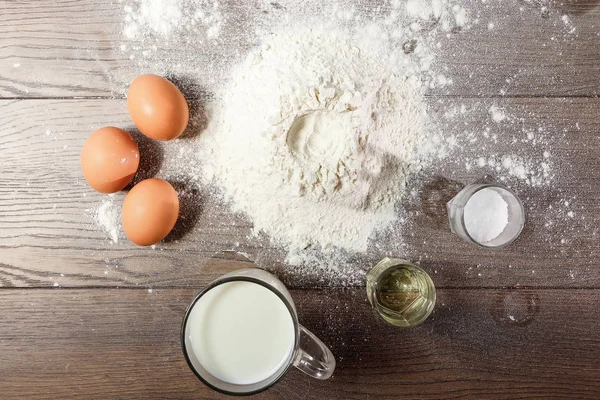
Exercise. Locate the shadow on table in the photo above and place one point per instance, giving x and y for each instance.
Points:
(196, 97)
(436, 193)
(151, 157)
(191, 204)
(434, 196)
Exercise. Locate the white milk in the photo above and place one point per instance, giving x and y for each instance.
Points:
(241, 332)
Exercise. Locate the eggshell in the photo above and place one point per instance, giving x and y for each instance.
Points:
(157, 107)
(109, 159)
(150, 211)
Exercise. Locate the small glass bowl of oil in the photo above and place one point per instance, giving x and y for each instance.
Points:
(401, 293)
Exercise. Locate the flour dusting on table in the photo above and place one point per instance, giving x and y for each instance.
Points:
(108, 216)
(171, 19)
(318, 125)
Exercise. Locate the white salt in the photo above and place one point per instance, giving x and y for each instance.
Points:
(486, 215)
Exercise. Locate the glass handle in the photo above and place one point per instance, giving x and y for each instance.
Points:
(314, 358)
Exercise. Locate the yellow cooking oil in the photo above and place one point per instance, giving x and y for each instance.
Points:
(402, 293)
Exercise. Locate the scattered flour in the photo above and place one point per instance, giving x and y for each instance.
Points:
(171, 18)
(108, 215)
(497, 114)
(208, 33)
(526, 170)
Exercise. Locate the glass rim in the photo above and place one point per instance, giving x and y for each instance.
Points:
(521, 209)
(211, 286)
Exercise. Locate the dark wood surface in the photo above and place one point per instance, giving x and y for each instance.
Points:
(82, 317)
(479, 343)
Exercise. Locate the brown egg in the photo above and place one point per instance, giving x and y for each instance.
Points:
(157, 107)
(150, 211)
(109, 159)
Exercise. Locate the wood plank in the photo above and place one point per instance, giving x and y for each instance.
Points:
(123, 343)
(527, 52)
(65, 48)
(48, 236)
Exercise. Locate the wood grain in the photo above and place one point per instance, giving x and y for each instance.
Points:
(519, 323)
(48, 235)
(480, 344)
(73, 48)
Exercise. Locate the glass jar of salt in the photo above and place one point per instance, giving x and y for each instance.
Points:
(490, 216)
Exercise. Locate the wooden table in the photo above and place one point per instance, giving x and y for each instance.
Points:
(82, 317)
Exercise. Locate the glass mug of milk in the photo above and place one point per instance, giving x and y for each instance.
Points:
(241, 334)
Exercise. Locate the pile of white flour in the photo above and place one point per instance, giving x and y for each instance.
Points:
(314, 139)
